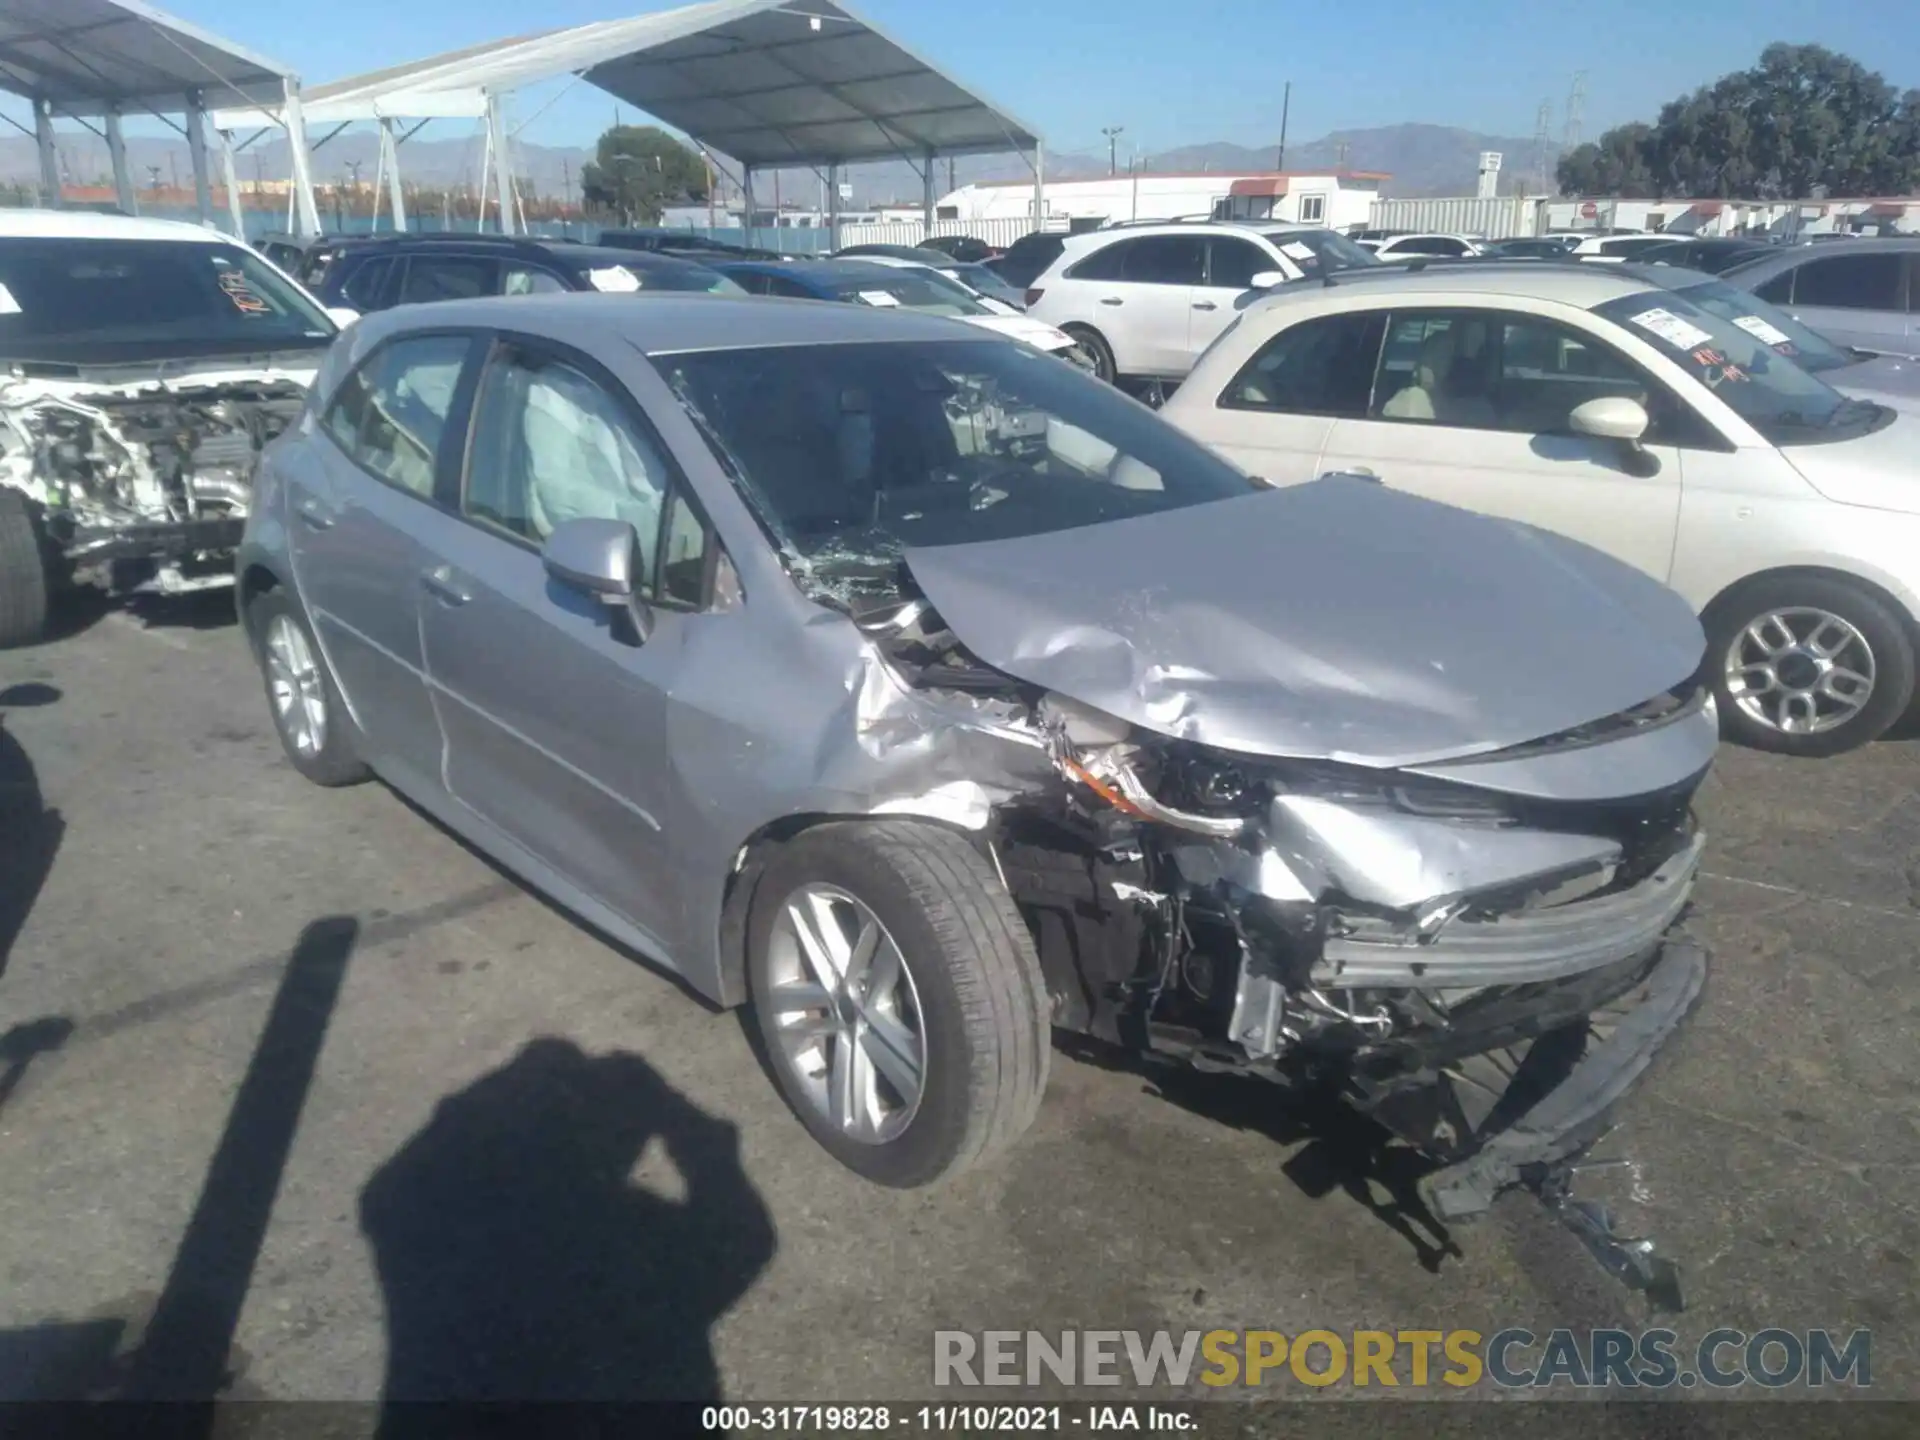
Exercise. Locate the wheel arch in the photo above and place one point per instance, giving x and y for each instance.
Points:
(756, 851)
(1834, 574)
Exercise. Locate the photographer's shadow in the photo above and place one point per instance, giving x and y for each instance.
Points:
(520, 1259)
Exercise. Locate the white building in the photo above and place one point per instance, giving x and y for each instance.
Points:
(1868, 216)
(1340, 199)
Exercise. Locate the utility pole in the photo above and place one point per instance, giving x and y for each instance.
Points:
(1570, 138)
(1286, 104)
(1113, 133)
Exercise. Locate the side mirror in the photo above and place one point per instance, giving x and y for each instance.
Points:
(342, 315)
(1610, 417)
(1267, 279)
(598, 556)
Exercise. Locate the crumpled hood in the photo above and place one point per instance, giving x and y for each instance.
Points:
(1880, 470)
(1334, 620)
(1036, 333)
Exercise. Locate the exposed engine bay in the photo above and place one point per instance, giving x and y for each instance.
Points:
(145, 485)
(1481, 970)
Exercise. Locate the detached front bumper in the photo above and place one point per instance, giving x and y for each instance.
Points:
(1625, 1035)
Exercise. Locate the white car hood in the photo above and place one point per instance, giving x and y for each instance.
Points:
(1888, 379)
(1036, 333)
(1880, 471)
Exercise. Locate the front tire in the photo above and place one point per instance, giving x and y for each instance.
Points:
(899, 998)
(1807, 665)
(26, 574)
(308, 714)
(1099, 354)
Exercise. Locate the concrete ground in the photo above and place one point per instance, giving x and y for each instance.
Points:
(234, 1002)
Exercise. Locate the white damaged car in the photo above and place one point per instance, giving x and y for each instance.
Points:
(143, 365)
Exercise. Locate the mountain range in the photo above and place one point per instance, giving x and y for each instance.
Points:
(1420, 160)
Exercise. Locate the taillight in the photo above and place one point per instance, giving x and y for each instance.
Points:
(1033, 297)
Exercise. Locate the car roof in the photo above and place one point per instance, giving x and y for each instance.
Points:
(671, 322)
(1788, 257)
(91, 225)
(1574, 282)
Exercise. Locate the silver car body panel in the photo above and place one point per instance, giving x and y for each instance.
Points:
(1335, 620)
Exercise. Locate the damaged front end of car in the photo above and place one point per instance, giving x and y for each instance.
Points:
(144, 484)
(1478, 945)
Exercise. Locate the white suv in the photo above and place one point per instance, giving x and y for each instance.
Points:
(1653, 412)
(1145, 300)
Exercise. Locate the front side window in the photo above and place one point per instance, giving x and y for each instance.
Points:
(528, 280)
(1498, 370)
(390, 414)
(366, 284)
(1232, 264)
(1764, 387)
(1851, 282)
(851, 453)
(1319, 367)
(432, 278)
(550, 444)
(84, 301)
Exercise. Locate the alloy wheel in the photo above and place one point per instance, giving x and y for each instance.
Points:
(845, 1014)
(294, 681)
(1800, 670)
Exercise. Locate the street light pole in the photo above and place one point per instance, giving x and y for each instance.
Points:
(1286, 104)
(1112, 132)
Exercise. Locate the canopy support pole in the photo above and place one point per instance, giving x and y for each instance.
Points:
(746, 200)
(49, 156)
(306, 213)
(117, 152)
(833, 208)
(197, 152)
(233, 185)
(928, 161)
(1039, 185)
(390, 157)
(502, 170)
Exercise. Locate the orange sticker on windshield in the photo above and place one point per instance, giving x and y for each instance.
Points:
(245, 300)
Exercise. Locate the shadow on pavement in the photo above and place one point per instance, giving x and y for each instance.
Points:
(521, 1260)
(30, 832)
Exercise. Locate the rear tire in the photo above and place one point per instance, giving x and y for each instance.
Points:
(1800, 646)
(308, 713)
(26, 572)
(1097, 349)
(968, 998)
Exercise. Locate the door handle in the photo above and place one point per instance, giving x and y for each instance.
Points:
(1205, 305)
(314, 515)
(1111, 300)
(441, 584)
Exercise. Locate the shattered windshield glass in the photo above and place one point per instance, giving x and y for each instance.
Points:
(851, 453)
(100, 301)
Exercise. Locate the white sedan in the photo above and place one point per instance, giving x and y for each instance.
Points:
(1653, 412)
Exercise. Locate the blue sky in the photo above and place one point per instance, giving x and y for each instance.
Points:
(1175, 73)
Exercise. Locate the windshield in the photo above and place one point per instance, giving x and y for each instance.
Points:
(1770, 326)
(1783, 402)
(672, 275)
(851, 453)
(84, 301)
(987, 282)
(927, 291)
(1318, 251)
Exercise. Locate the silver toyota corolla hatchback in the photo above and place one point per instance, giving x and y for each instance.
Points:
(926, 694)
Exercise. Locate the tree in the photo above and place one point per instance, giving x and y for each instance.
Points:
(639, 170)
(1802, 119)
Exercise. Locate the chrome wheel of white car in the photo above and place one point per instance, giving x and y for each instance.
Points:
(844, 1009)
(1808, 665)
(294, 683)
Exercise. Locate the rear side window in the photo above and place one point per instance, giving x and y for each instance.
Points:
(1107, 263)
(1778, 290)
(1850, 282)
(365, 285)
(448, 277)
(1322, 367)
(390, 414)
(1430, 245)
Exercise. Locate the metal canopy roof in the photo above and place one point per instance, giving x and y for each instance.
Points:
(87, 55)
(768, 82)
